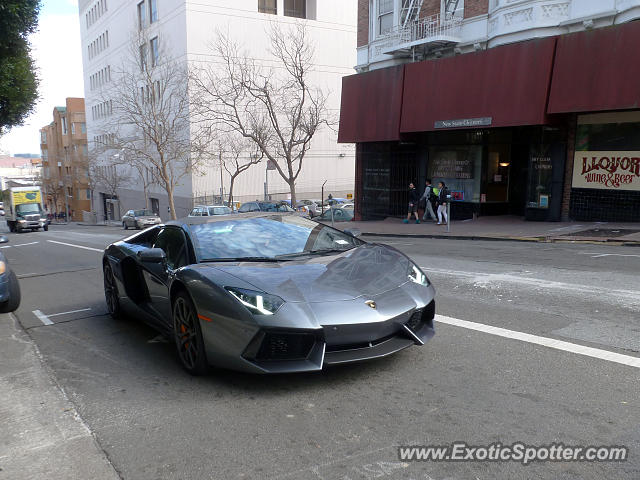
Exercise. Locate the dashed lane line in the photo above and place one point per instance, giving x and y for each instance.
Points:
(77, 246)
(19, 245)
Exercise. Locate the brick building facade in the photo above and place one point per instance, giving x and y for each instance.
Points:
(63, 144)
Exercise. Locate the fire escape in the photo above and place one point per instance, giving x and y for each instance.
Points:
(417, 34)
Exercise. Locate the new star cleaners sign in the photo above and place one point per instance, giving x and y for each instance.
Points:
(607, 170)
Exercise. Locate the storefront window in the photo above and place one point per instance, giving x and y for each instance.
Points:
(540, 180)
(459, 167)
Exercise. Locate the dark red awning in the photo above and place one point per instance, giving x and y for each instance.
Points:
(508, 84)
(597, 70)
(371, 105)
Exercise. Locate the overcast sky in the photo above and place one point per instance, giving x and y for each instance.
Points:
(57, 52)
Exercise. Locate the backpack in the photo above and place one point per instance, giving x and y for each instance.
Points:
(432, 194)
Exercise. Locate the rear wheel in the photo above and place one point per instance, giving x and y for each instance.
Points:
(124, 224)
(45, 228)
(111, 292)
(188, 335)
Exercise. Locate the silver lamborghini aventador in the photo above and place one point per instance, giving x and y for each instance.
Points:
(269, 292)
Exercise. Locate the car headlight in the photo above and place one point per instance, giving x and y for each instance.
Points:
(3, 267)
(258, 303)
(416, 275)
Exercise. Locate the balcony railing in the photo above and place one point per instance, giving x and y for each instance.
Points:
(436, 30)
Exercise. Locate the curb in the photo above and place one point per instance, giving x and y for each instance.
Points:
(604, 241)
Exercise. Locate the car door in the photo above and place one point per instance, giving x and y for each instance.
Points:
(127, 218)
(158, 276)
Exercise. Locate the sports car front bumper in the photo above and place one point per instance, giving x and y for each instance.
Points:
(284, 350)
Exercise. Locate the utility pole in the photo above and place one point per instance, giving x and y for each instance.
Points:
(221, 180)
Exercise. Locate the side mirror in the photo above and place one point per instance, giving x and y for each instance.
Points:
(354, 232)
(152, 255)
(4, 239)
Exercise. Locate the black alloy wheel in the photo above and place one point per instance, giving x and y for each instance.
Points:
(188, 335)
(111, 292)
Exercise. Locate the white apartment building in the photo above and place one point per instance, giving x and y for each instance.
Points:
(186, 30)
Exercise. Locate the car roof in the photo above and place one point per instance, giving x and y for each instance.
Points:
(210, 206)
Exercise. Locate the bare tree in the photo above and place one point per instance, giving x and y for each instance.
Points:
(147, 115)
(52, 188)
(276, 108)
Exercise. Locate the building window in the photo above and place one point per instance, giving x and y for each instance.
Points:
(385, 16)
(153, 11)
(295, 8)
(268, 6)
(143, 57)
(73, 128)
(154, 51)
(43, 137)
(83, 127)
(64, 125)
(142, 16)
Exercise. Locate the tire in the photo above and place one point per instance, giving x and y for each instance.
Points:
(124, 224)
(12, 226)
(111, 295)
(13, 303)
(138, 227)
(45, 228)
(188, 335)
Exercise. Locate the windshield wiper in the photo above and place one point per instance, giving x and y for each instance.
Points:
(332, 250)
(241, 259)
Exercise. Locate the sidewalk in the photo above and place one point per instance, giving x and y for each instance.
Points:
(505, 228)
(42, 434)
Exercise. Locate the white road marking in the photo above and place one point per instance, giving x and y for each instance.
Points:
(71, 311)
(19, 245)
(77, 246)
(42, 317)
(599, 255)
(543, 341)
(482, 279)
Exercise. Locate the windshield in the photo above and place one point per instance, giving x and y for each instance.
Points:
(219, 210)
(267, 237)
(275, 207)
(28, 208)
(143, 213)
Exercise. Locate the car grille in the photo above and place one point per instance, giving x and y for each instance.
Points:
(32, 218)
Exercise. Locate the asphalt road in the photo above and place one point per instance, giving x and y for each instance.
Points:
(154, 421)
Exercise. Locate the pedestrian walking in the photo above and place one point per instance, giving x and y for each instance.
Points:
(413, 204)
(442, 203)
(429, 197)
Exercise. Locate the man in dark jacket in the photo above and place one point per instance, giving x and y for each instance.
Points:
(414, 197)
(442, 203)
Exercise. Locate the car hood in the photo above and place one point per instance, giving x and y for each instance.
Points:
(148, 217)
(366, 270)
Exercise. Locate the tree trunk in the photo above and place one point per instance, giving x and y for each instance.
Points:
(172, 205)
(292, 189)
(231, 181)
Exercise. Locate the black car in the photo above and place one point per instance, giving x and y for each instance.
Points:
(9, 286)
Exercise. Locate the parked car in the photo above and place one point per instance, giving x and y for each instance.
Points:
(210, 210)
(258, 206)
(209, 284)
(339, 215)
(140, 219)
(310, 207)
(9, 285)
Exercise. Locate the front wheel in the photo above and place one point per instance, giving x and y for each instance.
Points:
(111, 292)
(45, 228)
(124, 224)
(188, 335)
